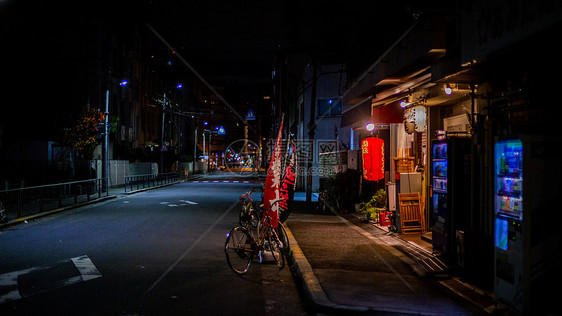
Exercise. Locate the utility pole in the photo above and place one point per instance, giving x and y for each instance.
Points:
(311, 130)
(194, 150)
(105, 147)
(204, 153)
(162, 142)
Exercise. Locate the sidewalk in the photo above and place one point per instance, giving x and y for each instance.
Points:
(348, 265)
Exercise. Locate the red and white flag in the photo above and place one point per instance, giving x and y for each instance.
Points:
(273, 180)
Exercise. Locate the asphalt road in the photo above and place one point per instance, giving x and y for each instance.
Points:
(158, 252)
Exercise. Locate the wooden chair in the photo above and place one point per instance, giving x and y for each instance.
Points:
(411, 217)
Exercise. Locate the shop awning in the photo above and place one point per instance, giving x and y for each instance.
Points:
(361, 113)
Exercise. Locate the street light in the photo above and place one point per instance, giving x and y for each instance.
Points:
(163, 145)
(219, 130)
(105, 147)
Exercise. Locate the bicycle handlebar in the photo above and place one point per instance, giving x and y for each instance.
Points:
(247, 195)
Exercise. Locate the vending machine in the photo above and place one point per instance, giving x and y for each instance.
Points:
(440, 212)
(450, 169)
(527, 234)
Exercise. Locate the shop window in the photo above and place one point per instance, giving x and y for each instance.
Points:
(329, 107)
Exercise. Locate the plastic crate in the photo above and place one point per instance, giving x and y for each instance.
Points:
(403, 164)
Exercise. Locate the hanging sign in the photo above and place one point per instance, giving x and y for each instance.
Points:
(373, 158)
(415, 119)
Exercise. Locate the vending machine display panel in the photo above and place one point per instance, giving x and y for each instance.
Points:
(501, 233)
(509, 178)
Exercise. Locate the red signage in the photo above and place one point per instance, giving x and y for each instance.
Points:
(373, 158)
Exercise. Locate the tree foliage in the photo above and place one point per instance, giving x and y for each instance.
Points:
(82, 135)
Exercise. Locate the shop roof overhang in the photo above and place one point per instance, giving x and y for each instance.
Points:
(433, 94)
(360, 113)
(408, 59)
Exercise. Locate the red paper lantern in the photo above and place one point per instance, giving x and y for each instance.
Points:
(373, 158)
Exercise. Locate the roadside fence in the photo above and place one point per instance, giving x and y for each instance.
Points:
(142, 181)
(28, 201)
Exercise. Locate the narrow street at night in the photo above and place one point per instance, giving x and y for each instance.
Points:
(158, 252)
(410, 151)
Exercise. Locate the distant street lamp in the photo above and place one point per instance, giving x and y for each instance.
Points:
(105, 145)
(219, 130)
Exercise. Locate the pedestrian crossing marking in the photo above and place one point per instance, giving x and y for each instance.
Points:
(28, 282)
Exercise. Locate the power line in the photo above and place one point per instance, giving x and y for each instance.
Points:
(199, 76)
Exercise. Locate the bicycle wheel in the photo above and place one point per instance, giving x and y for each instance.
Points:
(283, 238)
(245, 215)
(239, 249)
(252, 225)
(276, 248)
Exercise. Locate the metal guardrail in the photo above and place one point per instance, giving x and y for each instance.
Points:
(143, 181)
(32, 200)
(28, 201)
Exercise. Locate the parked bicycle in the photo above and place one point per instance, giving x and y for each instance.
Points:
(243, 244)
(324, 203)
(3, 217)
(248, 215)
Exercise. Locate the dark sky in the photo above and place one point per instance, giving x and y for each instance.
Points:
(225, 40)
(238, 39)
(229, 42)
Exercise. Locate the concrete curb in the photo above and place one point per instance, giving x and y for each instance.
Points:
(302, 270)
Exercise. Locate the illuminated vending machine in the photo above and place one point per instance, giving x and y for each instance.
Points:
(527, 224)
(440, 211)
(450, 169)
(508, 237)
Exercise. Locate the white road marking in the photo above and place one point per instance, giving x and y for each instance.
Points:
(86, 267)
(83, 264)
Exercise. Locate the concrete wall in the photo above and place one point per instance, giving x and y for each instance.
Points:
(119, 169)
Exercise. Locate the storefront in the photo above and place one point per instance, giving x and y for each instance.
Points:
(489, 146)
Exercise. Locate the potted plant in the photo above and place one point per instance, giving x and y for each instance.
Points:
(373, 207)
